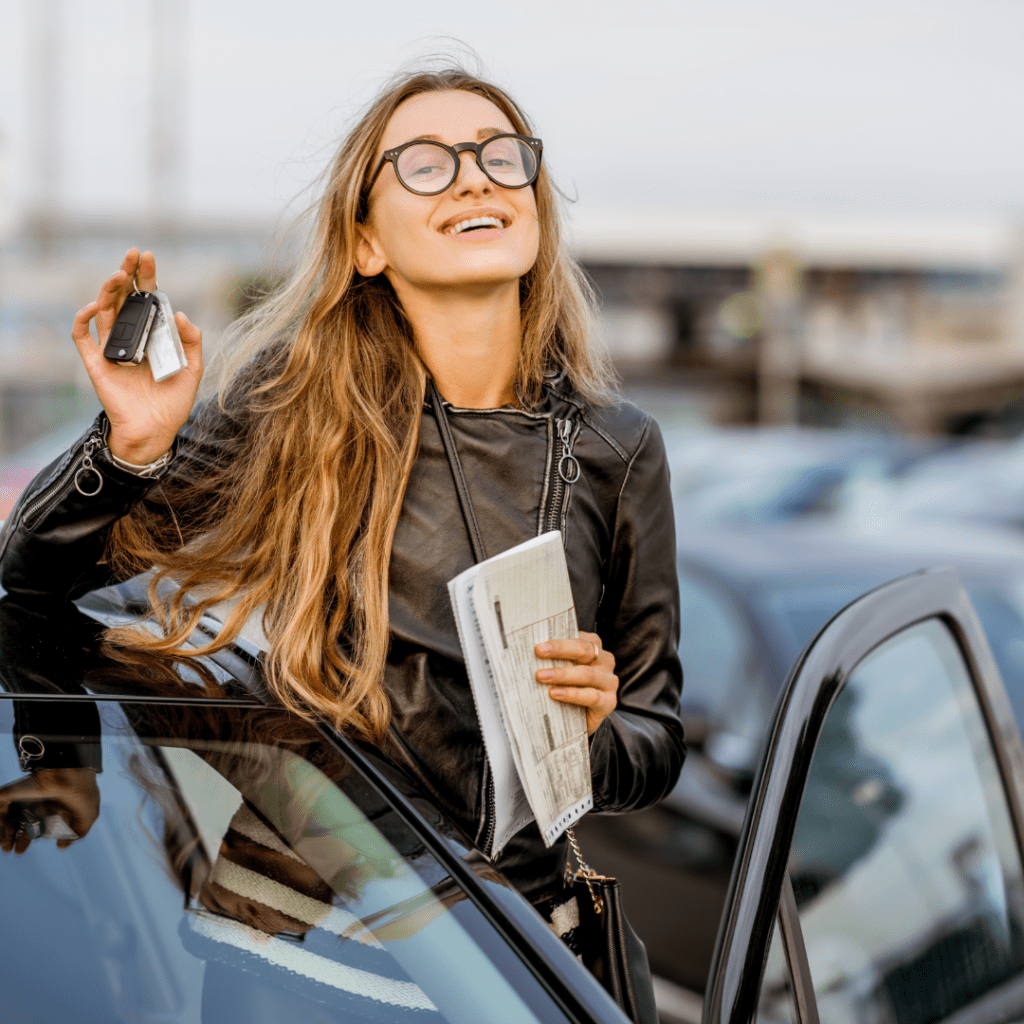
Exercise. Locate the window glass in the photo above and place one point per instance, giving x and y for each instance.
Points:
(904, 862)
(231, 867)
(777, 1003)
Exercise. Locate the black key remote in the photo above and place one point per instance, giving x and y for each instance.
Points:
(128, 337)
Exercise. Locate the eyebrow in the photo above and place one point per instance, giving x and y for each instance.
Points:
(483, 133)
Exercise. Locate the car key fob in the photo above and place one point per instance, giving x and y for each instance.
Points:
(128, 337)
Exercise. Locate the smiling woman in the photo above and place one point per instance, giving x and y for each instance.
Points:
(313, 497)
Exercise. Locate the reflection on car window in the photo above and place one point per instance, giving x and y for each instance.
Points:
(904, 863)
(232, 868)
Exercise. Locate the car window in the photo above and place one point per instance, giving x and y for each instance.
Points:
(904, 863)
(233, 867)
(776, 1004)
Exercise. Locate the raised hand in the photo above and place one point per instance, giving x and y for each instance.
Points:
(144, 416)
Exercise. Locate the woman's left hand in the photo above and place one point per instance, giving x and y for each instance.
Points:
(590, 681)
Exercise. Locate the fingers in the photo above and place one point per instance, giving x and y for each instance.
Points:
(584, 696)
(586, 649)
(8, 830)
(589, 676)
(188, 332)
(146, 278)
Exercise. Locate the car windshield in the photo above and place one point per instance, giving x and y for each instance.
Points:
(218, 864)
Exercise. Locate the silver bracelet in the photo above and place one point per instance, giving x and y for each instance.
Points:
(144, 471)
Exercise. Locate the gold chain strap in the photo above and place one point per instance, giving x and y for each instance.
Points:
(585, 872)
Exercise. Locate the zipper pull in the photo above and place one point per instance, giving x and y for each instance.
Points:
(568, 465)
(81, 474)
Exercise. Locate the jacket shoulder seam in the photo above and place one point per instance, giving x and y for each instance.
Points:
(596, 428)
(629, 467)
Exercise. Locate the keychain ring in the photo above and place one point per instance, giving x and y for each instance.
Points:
(99, 481)
(573, 473)
(136, 290)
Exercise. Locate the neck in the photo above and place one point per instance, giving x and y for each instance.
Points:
(468, 341)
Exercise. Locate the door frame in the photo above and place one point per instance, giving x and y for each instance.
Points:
(761, 867)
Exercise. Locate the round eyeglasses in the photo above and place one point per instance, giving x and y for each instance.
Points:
(428, 168)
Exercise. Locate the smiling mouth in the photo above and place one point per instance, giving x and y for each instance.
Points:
(474, 224)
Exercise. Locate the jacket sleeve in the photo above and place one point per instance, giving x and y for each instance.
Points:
(54, 540)
(637, 752)
(52, 543)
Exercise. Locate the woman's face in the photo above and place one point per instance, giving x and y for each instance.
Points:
(410, 238)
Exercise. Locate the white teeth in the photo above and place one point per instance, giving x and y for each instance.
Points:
(474, 222)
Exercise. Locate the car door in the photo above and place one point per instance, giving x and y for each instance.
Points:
(227, 861)
(879, 874)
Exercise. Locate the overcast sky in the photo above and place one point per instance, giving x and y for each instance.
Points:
(874, 105)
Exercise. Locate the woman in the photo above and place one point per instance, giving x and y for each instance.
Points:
(316, 494)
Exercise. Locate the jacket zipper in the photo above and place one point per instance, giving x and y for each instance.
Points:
(81, 464)
(567, 471)
(485, 839)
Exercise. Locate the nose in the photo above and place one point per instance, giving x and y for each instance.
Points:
(470, 178)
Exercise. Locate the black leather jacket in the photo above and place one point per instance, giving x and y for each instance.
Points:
(617, 523)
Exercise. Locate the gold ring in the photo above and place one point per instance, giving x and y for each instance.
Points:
(597, 653)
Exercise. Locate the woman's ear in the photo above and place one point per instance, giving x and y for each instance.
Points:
(370, 260)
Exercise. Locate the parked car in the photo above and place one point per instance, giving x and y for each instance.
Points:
(751, 600)
(239, 864)
(980, 482)
(769, 475)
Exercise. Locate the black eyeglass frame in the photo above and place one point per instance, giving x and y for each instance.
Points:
(391, 156)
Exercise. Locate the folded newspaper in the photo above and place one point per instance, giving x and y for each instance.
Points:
(537, 747)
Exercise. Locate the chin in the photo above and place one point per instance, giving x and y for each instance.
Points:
(488, 268)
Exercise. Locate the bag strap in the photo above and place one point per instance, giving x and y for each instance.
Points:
(584, 872)
(476, 541)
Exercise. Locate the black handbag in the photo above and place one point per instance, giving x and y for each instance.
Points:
(595, 928)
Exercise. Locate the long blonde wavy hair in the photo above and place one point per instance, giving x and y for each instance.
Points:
(323, 390)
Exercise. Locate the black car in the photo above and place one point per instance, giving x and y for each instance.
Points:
(231, 862)
(751, 600)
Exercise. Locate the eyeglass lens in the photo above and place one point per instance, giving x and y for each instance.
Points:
(428, 169)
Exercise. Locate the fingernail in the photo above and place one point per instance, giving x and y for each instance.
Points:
(544, 648)
(545, 674)
(557, 692)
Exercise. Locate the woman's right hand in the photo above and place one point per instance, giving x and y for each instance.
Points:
(144, 416)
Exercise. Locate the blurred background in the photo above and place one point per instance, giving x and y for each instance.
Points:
(805, 223)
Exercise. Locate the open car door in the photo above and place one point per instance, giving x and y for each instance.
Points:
(879, 874)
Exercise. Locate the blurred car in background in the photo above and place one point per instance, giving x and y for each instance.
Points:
(974, 482)
(769, 475)
(751, 600)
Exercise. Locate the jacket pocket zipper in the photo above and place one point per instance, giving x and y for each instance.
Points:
(81, 473)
